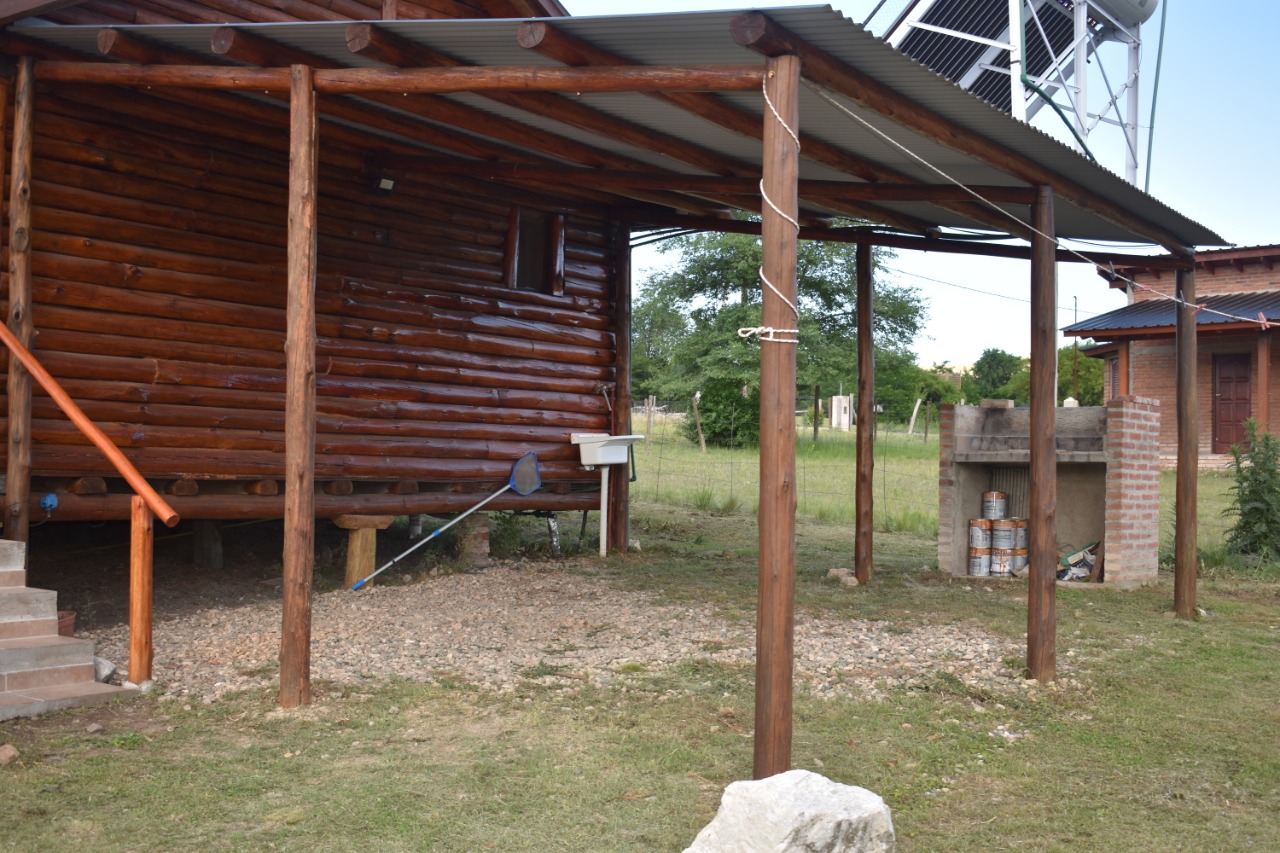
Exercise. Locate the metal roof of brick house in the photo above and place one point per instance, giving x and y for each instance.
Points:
(1159, 313)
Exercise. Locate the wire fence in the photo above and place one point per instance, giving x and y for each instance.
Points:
(670, 468)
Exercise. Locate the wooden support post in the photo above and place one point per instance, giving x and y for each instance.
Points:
(1263, 417)
(1043, 530)
(141, 547)
(17, 517)
(620, 496)
(775, 617)
(206, 551)
(362, 544)
(864, 503)
(300, 402)
(1185, 533)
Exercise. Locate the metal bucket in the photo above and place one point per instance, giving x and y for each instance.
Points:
(979, 562)
(1002, 533)
(1020, 533)
(979, 533)
(1020, 559)
(1001, 562)
(994, 504)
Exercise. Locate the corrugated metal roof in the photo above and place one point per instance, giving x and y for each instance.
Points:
(704, 38)
(1162, 313)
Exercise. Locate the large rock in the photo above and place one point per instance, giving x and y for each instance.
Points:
(797, 811)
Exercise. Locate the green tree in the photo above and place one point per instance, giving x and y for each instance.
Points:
(716, 285)
(656, 329)
(990, 373)
(1078, 376)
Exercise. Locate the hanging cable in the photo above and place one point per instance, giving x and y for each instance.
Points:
(1110, 272)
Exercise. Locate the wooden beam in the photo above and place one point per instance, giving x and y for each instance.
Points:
(18, 467)
(757, 31)
(141, 548)
(876, 237)
(384, 46)
(620, 503)
(354, 81)
(570, 50)
(629, 78)
(300, 403)
(254, 49)
(1123, 354)
(1185, 533)
(1263, 417)
(1043, 489)
(775, 617)
(732, 185)
(863, 501)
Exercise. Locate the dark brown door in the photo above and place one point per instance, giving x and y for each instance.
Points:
(1231, 401)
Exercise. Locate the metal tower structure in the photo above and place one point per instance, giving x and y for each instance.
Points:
(1024, 55)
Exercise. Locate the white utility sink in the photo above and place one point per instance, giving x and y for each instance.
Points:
(598, 448)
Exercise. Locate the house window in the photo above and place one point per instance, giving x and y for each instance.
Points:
(535, 251)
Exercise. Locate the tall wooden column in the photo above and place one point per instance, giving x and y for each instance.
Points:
(17, 516)
(864, 503)
(620, 482)
(300, 399)
(1185, 532)
(775, 616)
(1043, 524)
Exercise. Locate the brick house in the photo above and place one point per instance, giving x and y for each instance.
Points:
(1239, 290)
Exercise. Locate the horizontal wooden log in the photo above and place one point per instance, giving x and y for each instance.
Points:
(337, 488)
(729, 78)
(615, 179)
(228, 507)
(194, 416)
(185, 487)
(464, 417)
(167, 462)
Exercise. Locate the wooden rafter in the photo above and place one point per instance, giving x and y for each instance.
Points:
(757, 31)
(555, 43)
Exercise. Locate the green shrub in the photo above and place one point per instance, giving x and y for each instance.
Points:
(1256, 494)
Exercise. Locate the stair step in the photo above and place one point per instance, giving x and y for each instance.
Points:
(12, 577)
(24, 602)
(20, 628)
(29, 662)
(13, 557)
(39, 700)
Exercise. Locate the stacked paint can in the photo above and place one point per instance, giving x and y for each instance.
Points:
(980, 547)
(997, 545)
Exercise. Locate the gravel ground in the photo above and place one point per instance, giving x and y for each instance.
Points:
(516, 622)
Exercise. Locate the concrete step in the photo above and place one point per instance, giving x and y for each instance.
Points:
(12, 577)
(39, 700)
(13, 557)
(24, 602)
(33, 662)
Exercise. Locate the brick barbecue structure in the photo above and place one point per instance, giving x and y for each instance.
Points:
(1235, 367)
(1108, 480)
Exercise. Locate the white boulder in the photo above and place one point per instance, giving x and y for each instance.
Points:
(797, 811)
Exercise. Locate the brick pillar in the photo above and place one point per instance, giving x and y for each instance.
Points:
(1132, 526)
(947, 487)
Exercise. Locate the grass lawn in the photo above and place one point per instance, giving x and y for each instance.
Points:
(1160, 737)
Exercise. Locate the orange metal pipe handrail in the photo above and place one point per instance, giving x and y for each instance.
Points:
(126, 468)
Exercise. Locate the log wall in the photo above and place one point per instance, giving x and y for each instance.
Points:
(159, 303)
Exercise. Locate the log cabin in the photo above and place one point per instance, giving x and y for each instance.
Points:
(314, 259)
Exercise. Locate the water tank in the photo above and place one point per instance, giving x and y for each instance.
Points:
(1128, 13)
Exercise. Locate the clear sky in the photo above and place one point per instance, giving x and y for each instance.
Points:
(1213, 160)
